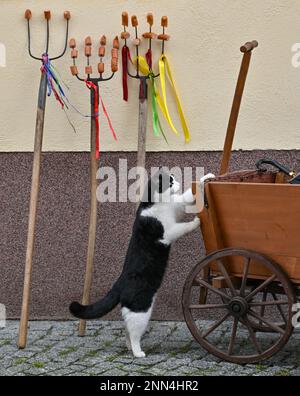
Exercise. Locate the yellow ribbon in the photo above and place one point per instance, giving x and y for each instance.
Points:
(144, 68)
(143, 65)
(164, 64)
(162, 101)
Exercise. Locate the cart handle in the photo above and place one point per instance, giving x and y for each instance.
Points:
(249, 46)
(276, 165)
(246, 49)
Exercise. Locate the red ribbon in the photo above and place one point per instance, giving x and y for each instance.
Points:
(125, 50)
(57, 97)
(95, 115)
(125, 57)
(149, 58)
(108, 119)
(91, 85)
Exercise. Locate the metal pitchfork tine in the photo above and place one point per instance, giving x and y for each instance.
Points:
(35, 183)
(47, 15)
(93, 156)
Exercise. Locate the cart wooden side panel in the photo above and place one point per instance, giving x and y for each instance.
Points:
(264, 217)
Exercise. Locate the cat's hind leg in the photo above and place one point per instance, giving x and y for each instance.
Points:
(127, 340)
(136, 325)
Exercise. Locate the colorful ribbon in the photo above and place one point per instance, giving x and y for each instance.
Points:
(155, 118)
(95, 115)
(148, 57)
(162, 100)
(94, 87)
(125, 57)
(125, 51)
(144, 69)
(165, 65)
(55, 86)
(52, 80)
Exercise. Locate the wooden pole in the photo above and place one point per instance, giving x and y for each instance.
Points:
(35, 184)
(93, 217)
(142, 129)
(247, 50)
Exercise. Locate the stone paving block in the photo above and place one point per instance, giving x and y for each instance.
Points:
(151, 359)
(295, 372)
(60, 372)
(17, 369)
(6, 349)
(173, 363)
(40, 325)
(153, 371)
(203, 364)
(132, 367)
(135, 374)
(116, 372)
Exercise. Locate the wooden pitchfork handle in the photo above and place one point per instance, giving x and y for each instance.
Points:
(93, 216)
(35, 183)
(246, 49)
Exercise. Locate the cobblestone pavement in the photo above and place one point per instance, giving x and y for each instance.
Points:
(55, 349)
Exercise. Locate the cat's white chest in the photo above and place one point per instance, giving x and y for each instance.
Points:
(164, 213)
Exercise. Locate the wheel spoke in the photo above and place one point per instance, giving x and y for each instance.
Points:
(225, 292)
(227, 277)
(215, 325)
(233, 335)
(245, 275)
(261, 287)
(267, 322)
(203, 274)
(263, 307)
(279, 308)
(207, 306)
(268, 303)
(211, 288)
(252, 335)
(203, 291)
(202, 295)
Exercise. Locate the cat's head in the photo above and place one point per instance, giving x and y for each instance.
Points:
(161, 187)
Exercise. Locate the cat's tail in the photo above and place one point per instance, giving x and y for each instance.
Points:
(99, 308)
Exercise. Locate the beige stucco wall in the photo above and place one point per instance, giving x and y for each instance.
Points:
(204, 52)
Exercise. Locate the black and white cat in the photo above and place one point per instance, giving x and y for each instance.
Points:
(155, 228)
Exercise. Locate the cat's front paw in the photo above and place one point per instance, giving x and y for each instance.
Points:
(207, 177)
(140, 354)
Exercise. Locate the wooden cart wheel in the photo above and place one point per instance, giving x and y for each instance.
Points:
(240, 316)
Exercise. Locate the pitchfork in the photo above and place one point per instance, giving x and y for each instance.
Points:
(143, 88)
(35, 183)
(93, 85)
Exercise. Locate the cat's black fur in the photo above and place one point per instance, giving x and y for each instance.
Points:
(144, 267)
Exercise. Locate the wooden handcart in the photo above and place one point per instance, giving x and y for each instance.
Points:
(239, 301)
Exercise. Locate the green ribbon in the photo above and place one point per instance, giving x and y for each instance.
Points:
(155, 118)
